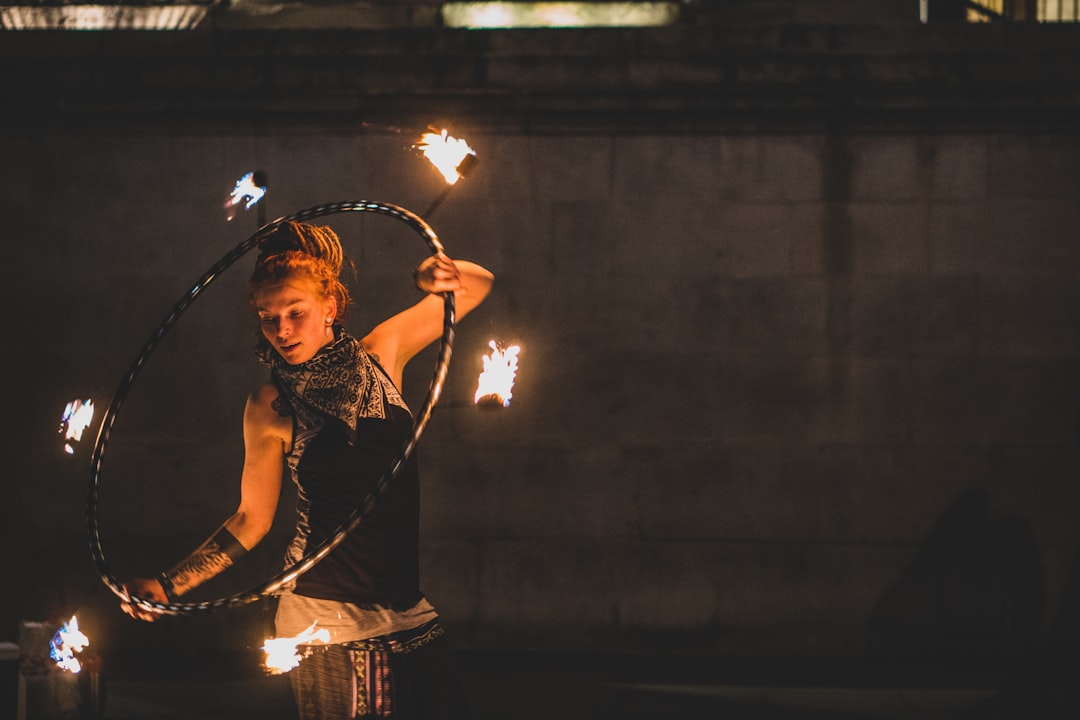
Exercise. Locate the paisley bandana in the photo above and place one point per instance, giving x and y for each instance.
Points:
(341, 381)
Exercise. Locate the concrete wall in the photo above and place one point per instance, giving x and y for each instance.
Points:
(782, 392)
(765, 380)
(757, 373)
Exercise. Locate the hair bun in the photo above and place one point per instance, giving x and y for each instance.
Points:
(316, 240)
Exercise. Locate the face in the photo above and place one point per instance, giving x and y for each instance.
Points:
(293, 319)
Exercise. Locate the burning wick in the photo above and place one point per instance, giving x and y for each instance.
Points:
(68, 641)
(281, 655)
(497, 379)
(451, 156)
(249, 190)
(77, 417)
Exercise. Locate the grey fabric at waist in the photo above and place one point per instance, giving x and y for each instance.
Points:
(347, 622)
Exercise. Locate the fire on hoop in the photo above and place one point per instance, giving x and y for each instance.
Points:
(497, 378)
(76, 418)
(451, 156)
(66, 644)
(281, 653)
(248, 191)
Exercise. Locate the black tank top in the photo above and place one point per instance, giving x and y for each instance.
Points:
(379, 560)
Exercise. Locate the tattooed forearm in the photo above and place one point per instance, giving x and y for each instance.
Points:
(200, 566)
(212, 557)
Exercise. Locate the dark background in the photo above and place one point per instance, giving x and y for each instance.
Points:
(796, 290)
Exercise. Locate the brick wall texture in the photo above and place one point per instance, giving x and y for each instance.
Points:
(785, 391)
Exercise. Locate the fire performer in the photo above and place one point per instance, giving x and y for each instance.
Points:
(333, 414)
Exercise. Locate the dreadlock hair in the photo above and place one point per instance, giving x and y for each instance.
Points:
(298, 250)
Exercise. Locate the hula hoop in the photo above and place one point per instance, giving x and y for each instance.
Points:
(424, 230)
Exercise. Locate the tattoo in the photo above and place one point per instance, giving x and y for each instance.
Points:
(212, 557)
(281, 407)
(201, 565)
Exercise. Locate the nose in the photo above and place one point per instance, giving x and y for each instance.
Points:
(285, 328)
(271, 329)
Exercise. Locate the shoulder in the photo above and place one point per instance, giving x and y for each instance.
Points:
(267, 411)
(264, 398)
(382, 349)
(380, 346)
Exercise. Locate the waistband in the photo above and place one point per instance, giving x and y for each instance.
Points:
(404, 641)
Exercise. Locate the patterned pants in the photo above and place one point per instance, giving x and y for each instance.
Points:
(405, 676)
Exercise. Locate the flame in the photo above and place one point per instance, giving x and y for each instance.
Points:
(68, 641)
(281, 654)
(497, 379)
(446, 153)
(77, 417)
(247, 192)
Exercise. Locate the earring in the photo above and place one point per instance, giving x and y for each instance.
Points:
(329, 321)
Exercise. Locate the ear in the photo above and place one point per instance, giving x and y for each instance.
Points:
(331, 307)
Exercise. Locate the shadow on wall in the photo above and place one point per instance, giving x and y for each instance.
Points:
(974, 592)
(975, 598)
(1042, 683)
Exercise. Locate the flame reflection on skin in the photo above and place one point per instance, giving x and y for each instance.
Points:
(281, 654)
(68, 641)
(76, 418)
(497, 378)
(445, 152)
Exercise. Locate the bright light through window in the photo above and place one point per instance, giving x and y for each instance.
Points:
(159, 15)
(479, 15)
(1043, 10)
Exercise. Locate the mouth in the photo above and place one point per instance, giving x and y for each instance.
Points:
(288, 348)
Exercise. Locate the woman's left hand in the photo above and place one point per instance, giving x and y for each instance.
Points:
(438, 274)
(148, 589)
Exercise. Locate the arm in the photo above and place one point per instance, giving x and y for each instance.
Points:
(266, 435)
(398, 339)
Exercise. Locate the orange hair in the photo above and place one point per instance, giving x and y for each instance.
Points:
(298, 251)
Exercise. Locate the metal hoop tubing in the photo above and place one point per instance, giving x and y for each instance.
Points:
(422, 228)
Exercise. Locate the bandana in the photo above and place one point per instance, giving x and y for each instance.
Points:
(341, 381)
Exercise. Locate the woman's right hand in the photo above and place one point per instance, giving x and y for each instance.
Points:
(438, 273)
(148, 589)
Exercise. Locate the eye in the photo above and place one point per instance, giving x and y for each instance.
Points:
(266, 319)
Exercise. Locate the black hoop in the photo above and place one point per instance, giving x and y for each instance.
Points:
(422, 228)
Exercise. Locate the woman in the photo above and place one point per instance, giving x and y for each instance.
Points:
(332, 412)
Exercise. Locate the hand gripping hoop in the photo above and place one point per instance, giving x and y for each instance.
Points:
(424, 230)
